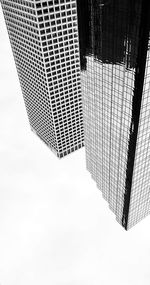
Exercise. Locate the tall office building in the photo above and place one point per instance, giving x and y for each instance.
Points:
(115, 65)
(44, 41)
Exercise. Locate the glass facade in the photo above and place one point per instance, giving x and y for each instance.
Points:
(44, 40)
(115, 76)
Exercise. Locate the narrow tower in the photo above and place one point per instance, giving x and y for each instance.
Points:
(44, 41)
(115, 64)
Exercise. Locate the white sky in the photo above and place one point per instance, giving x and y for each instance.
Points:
(55, 227)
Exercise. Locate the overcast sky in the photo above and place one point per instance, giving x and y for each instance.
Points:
(55, 227)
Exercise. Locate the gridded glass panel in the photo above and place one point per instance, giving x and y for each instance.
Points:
(113, 48)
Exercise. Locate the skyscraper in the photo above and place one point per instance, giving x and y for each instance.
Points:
(44, 41)
(115, 76)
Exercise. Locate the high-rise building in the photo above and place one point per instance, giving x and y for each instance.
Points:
(115, 76)
(44, 41)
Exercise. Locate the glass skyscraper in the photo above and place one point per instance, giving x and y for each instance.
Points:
(115, 76)
(44, 41)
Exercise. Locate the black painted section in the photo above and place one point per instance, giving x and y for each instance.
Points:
(84, 16)
(104, 27)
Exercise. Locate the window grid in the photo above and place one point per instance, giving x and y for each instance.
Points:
(44, 40)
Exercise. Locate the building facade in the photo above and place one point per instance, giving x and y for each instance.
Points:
(44, 41)
(115, 76)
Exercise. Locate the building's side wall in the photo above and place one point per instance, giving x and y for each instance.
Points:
(140, 195)
(85, 24)
(59, 35)
(23, 30)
